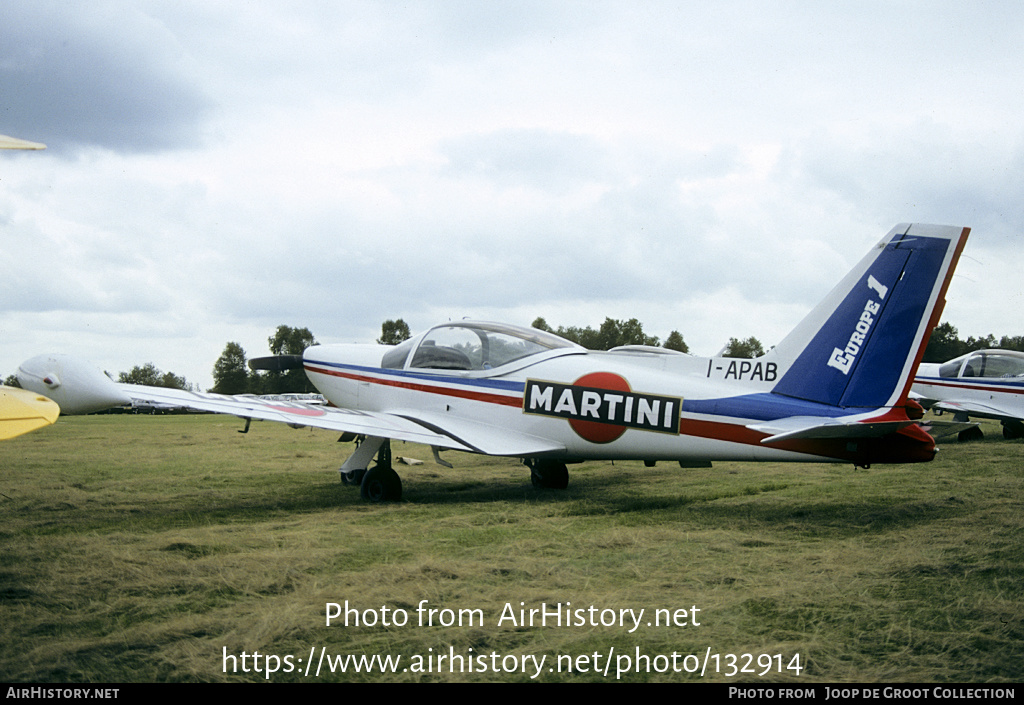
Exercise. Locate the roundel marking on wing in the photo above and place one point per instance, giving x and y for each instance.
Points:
(298, 410)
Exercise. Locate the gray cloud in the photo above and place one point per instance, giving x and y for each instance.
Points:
(106, 75)
(707, 168)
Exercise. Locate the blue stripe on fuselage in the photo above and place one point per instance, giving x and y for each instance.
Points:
(483, 382)
(761, 407)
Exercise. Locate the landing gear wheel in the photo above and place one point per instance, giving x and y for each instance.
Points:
(1012, 430)
(549, 474)
(971, 434)
(353, 477)
(381, 484)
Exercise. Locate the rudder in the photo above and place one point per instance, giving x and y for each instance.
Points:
(858, 348)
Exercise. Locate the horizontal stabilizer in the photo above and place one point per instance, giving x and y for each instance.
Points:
(816, 427)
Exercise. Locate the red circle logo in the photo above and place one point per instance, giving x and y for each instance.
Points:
(599, 431)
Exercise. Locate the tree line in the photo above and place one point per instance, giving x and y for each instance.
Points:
(945, 344)
(232, 376)
(231, 373)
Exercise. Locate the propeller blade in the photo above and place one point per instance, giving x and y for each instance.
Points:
(276, 363)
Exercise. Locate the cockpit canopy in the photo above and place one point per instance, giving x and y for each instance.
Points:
(985, 363)
(472, 345)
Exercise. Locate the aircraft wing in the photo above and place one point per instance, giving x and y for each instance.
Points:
(79, 388)
(486, 438)
(297, 414)
(414, 426)
(973, 408)
(818, 427)
(22, 411)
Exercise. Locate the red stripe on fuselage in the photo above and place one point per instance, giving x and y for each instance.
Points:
(972, 387)
(714, 430)
(908, 445)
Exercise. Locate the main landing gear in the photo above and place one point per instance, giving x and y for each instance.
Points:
(381, 483)
(1012, 430)
(548, 474)
(377, 484)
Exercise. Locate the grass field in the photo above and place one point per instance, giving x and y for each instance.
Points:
(140, 549)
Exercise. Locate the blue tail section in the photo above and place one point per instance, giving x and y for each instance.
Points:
(860, 346)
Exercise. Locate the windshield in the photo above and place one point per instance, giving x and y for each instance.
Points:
(474, 346)
(986, 363)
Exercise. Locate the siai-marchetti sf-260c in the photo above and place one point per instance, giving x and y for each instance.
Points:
(835, 389)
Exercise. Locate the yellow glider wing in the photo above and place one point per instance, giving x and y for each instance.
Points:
(22, 411)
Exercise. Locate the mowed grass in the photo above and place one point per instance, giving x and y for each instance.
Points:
(140, 549)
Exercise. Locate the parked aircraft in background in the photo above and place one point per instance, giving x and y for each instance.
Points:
(987, 384)
(835, 389)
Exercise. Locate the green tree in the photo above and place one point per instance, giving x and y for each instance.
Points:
(540, 324)
(290, 341)
(173, 381)
(146, 374)
(12, 381)
(287, 341)
(748, 348)
(612, 333)
(944, 344)
(989, 341)
(150, 376)
(1015, 342)
(230, 375)
(394, 332)
(675, 341)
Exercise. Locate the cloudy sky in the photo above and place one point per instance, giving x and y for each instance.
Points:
(215, 169)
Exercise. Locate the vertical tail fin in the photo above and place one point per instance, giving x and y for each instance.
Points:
(860, 346)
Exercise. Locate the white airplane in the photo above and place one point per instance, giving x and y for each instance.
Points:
(987, 384)
(835, 389)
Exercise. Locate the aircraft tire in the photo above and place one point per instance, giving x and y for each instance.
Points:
(1012, 430)
(971, 434)
(381, 484)
(549, 475)
(353, 477)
